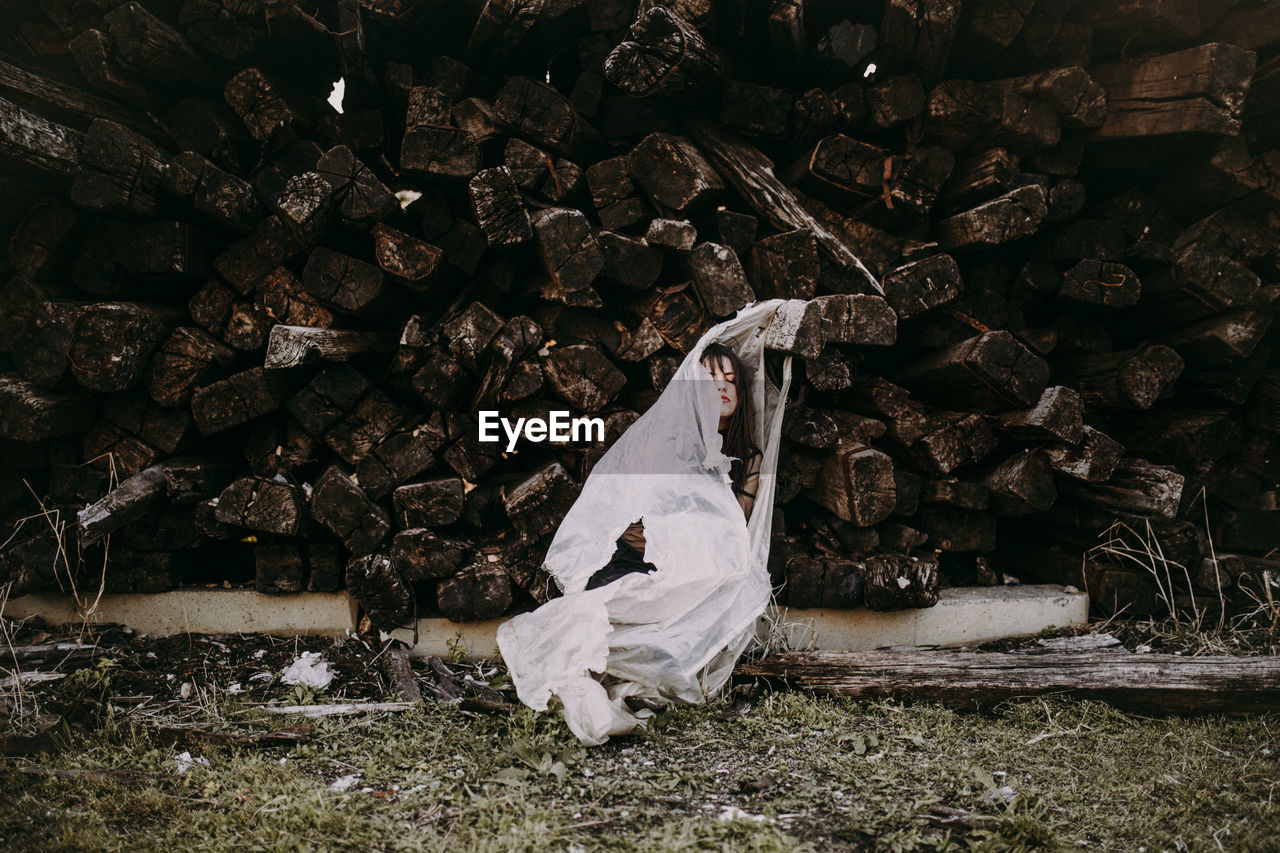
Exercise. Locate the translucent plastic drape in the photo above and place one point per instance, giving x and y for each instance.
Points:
(671, 635)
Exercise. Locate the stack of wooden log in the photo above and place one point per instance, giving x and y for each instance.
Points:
(1030, 249)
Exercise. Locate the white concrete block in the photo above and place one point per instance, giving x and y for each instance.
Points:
(962, 615)
(202, 611)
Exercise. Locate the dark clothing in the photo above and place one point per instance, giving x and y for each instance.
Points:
(624, 561)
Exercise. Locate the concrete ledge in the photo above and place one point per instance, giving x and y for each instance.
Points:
(962, 615)
(203, 611)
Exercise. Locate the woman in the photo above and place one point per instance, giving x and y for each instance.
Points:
(684, 505)
(736, 434)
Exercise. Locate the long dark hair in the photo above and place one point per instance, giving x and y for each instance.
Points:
(739, 439)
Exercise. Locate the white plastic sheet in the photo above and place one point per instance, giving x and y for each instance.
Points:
(672, 635)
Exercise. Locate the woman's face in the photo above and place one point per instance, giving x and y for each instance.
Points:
(726, 383)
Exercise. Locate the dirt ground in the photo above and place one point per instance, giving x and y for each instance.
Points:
(157, 744)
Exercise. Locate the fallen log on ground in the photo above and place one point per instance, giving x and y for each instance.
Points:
(1163, 684)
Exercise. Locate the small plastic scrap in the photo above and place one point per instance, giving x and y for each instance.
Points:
(344, 783)
(310, 669)
(185, 762)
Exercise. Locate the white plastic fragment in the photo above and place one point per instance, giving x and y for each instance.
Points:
(309, 669)
(345, 783)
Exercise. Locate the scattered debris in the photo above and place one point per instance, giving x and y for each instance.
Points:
(185, 762)
(338, 709)
(181, 736)
(345, 783)
(310, 670)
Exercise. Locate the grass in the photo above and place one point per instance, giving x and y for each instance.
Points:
(818, 773)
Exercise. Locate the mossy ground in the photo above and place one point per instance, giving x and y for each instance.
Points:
(806, 773)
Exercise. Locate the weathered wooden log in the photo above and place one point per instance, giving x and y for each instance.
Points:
(539, 113)
(841, 169)
(676, 234)
(446, 152)
(897, 581)
(30, 414)
(823, 582)
(98, 61)
(1152, 683)
(236, 400)
(1077, 97)
(895, 101)
(37, 142)
(1202, 282)
(363, 198)
(1058, 416)
(751, 174)
(150, 47)
(279, 567)
(75, 107)
(498, 207)
(481, 590)
(132, 500)
(113, 342)
(121, 172)
(261, 105)
(1226, 338)
(583, 376)
(1200, 89)
(664, 54)
(347, 284)
(1104, 283)
(1137, 486)
(629, 261)
(978, 177)
(384, 597)
(987, 372)
(1093, 459)
(344, 509)
(410, 260)
(857, 485)
(673, 173)
(536, 505)
(1012, 216)
(290, 346)
(263, 504)
(614, 193)
(1132, 379)
(418, 554)
(1022, 484)
(861, 318)
(431, 503)
(919, 35)
(958, 441)
(796, 327)
(212, 192)
(785, 265)
(920, 286)
(958, 112)
(570, 254)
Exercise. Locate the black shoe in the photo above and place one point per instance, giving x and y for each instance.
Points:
(639, 703)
